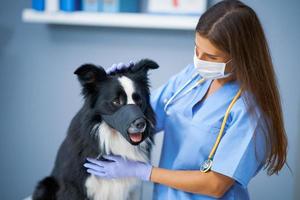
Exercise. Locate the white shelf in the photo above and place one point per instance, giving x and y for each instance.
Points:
(129, 20)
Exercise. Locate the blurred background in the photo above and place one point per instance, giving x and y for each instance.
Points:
(40, 94)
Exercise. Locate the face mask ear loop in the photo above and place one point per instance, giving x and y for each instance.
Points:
(231, 70)
(195, 52)
(228, 61)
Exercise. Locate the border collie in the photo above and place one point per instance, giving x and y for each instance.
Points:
(89, 135)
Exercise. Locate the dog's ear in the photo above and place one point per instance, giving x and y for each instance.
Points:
(89, 75)
(144, 65)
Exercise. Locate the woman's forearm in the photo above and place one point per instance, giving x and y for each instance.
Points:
(194, 181)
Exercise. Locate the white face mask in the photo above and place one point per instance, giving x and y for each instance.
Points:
(210, 70)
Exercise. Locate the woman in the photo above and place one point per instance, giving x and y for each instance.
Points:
(232, 60)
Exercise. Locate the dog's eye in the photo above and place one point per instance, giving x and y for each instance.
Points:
(116, 102)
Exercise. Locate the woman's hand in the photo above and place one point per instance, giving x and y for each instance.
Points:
(118, 167)
(119, 66)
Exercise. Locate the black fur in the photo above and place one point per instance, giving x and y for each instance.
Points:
(98, 89)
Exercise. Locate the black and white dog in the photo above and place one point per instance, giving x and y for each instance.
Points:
(99, 128)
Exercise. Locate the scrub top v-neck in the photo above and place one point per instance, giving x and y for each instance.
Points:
(190, 130)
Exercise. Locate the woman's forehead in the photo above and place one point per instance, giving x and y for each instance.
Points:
(204, 45)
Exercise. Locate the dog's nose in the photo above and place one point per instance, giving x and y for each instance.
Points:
(140, 123)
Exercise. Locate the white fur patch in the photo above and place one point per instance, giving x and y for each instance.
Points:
(111, 141)
(128, 86)
(110, 189)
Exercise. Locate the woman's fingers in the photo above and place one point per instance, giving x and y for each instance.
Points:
(94, 167)
(112, 68)
(97, 162)
(121, 65)
(130, 63)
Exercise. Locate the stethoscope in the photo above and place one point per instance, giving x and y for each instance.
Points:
(172, 98)
(207, 164)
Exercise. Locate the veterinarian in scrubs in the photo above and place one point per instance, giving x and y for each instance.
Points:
(232, 73)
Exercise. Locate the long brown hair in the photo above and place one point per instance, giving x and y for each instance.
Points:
(234, 28)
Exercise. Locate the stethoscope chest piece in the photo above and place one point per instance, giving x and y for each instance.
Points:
(206, 165)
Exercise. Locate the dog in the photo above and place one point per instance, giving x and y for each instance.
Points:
(91, 134)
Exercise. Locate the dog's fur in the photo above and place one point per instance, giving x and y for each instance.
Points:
(88, 136)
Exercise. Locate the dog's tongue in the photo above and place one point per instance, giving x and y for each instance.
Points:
(135, 137)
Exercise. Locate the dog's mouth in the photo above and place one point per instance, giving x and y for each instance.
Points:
(136, 130)
(136, 137)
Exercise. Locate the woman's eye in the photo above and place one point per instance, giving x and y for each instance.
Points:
(213, 58)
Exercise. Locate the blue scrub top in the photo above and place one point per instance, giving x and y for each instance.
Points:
(191, 128)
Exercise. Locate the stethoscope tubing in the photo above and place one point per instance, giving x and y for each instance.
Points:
(172, 98)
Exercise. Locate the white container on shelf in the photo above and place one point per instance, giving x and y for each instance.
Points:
(51, 5)
(192, 7)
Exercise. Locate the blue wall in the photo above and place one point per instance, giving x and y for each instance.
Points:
(40, 94)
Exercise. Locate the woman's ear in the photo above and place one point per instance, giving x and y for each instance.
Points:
(89, 76)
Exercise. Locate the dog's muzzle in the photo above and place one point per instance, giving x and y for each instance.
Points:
(130, 121)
